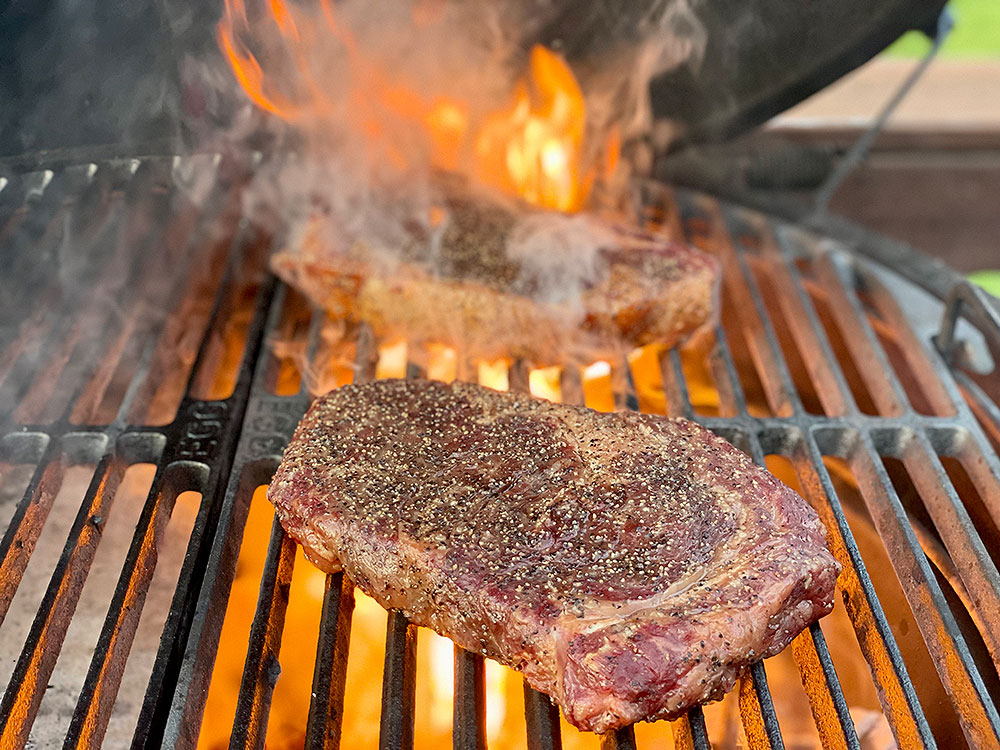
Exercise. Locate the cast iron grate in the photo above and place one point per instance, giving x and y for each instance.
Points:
(153, 344)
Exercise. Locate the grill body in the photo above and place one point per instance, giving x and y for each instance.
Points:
(145, 333)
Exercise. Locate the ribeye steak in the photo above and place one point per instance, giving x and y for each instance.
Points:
(469, 292)
(631, 566)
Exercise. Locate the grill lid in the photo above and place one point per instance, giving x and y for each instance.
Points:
(766, 56)
(762, 57)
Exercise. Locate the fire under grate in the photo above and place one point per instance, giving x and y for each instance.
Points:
(144, 330)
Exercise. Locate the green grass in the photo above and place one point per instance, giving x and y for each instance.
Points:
(988, 280)
(976, 33)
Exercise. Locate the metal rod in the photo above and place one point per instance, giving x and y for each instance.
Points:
(674, 387)
(970, 301)
(469, 711)
(826, 697)
(965, 548)
(398, 684)
(262, 667)
(620, 739)
(757, 710)
(979, 717)
(800, 315)
(690, 732)
(896, 693)
(744, 296)
(326, 708)
(541, 718)
(756, 706)
(30, 677)
(26, 524)
(856, 154)
(834, 272)
(189, 442)
(924, 379)
(100, 687)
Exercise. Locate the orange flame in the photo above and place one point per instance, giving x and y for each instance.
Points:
(534, 148)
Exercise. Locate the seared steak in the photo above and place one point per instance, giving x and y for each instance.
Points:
(550, 303)
(631, 566)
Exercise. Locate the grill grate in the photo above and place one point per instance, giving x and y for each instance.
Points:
(151, 344)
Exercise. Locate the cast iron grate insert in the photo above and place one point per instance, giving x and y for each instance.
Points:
(157, 348)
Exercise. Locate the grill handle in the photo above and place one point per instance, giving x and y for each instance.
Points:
(969, 301)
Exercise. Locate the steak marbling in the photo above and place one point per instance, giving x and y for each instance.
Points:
(631, 566)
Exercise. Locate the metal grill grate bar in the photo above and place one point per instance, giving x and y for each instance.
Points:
(872, 363)
(804, 326)
(928, 393)
(326, 710)
(620, 739)
(541, 720)
(204, 435)
(859, 330)
(818, 675)
(898, 698)
(261, 669)
(115, 445)
(826, 697)
(678, 400)
(469, 713)
(899, 374)
(690, 732)
(756, 707)
(757, 710)
(707, 224)
(398, 684)
(966, 549)
(744, 296)
(30, 677)
(941, 634)
(26, 524)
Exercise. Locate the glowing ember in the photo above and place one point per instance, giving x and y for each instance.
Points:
(544, 383)
(494, 375)
(391, 360)
(598, 387)
(442, 363)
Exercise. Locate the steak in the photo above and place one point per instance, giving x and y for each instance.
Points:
(471, 293)
(631, 566)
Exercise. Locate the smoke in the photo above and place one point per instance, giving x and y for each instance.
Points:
(77, 73)
(617, 70)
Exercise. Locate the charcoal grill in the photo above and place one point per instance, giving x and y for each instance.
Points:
(155, 346)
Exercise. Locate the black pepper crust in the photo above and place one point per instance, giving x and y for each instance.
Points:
(630, 565)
